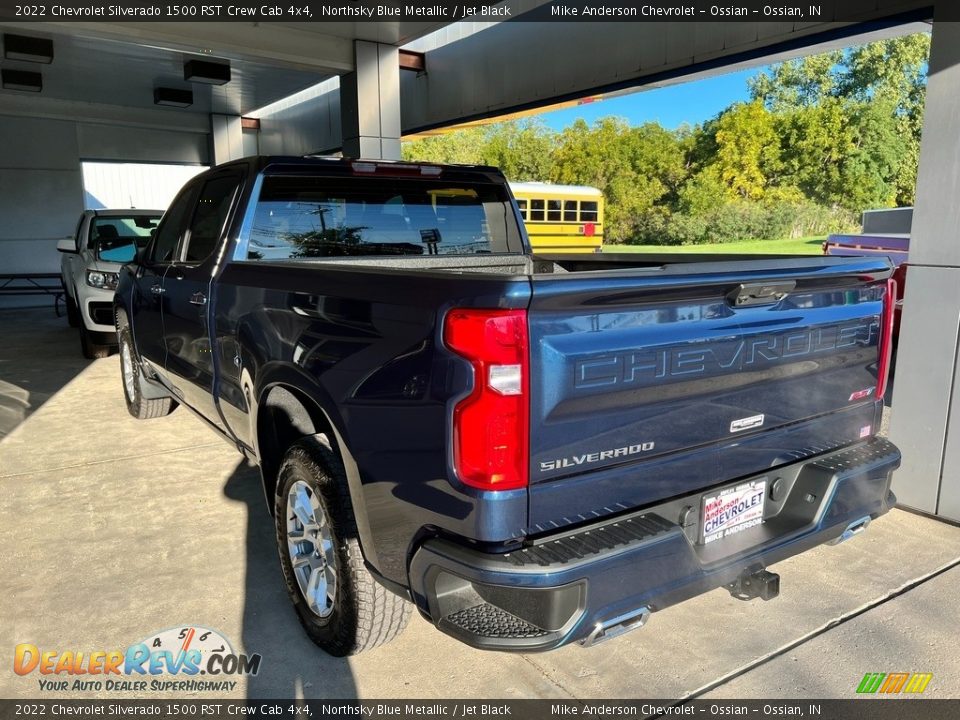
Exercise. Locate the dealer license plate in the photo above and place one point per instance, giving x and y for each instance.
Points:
(732, 510)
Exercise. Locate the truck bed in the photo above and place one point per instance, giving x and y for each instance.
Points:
(625, 350)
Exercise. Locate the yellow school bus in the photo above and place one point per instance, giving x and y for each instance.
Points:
(561, 218)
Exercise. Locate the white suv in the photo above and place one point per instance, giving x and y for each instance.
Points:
(90, 262)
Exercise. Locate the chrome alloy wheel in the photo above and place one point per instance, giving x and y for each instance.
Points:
(129, 371)
(312, 555)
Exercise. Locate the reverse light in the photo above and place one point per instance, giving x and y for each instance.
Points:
(885, 348)
(102, 280)
(491, 424)
(506, 379)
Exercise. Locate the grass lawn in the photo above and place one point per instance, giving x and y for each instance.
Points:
(788, 246)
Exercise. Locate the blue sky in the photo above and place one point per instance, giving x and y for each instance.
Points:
(691, 102)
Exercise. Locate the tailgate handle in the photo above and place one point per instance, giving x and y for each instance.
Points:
(746, 295)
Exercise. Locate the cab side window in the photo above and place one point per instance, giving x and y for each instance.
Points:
(213, 206)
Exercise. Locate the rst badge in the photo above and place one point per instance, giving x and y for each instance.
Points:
(746, 423)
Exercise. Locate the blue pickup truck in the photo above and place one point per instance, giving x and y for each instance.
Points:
(531, 450)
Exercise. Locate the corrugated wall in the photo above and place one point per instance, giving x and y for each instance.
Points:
(133, 185)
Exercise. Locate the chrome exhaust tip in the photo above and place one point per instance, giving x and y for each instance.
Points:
(852, 530)
(617, 626)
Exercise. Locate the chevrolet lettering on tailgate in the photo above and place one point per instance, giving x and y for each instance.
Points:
(648, 367)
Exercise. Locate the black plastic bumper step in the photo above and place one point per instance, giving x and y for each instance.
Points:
(592, 541)
(857, 456)
(491, 622)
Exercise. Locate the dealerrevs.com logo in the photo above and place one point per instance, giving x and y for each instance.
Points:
(894, 683)
(172, 660)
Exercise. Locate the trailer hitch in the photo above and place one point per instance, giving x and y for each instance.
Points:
(755, 584)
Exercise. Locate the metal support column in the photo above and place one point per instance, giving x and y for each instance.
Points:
(925, 421)
(227, 133)
(370, 103)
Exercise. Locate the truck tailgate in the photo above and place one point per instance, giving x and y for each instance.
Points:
(655, 383)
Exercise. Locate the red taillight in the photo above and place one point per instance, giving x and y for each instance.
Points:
(886, 337)
(490, 425)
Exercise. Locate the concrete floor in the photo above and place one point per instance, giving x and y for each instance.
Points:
(111, 529)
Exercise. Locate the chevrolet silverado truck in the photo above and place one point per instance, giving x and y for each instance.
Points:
(531, 450)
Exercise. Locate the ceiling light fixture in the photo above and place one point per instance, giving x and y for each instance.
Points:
(21, 80)
(28, 49)
(172, 97)
(209, 73)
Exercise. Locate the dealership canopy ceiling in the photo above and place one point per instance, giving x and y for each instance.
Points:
(118, 66)
(110, 71)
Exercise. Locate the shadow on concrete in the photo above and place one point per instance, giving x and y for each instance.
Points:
(39, 355)
(292, 665)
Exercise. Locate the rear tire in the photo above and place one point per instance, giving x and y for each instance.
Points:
(131, 376)
(341, 606)
(91, 349)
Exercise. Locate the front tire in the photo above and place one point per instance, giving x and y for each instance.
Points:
(131, 375)
(73, 313)
(341, 606)
(92, 350)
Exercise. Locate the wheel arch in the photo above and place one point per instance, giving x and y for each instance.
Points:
(120, 315)
(285, 414)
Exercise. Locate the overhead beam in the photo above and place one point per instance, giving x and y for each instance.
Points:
(410, 60)
(562, 61)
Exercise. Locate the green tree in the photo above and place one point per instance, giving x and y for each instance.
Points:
(890, 74)
(460, 146)
(522, 150)
(748, 149)
(800, 82)
(636, 168)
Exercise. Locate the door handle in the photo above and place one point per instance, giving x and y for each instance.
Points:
(198, 298)
(157, 290)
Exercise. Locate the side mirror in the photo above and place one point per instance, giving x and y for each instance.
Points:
(141, 255)
(66, 245)
(118, 250)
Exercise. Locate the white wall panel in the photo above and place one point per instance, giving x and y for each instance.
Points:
(41, 192)
(123, 185)
(134, 144)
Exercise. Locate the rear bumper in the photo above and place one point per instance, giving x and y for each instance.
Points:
(577, 586)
